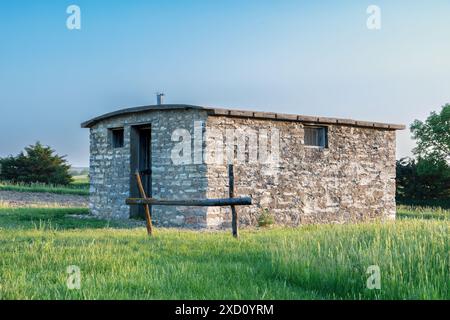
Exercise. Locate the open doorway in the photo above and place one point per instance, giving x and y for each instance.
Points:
(141, 160)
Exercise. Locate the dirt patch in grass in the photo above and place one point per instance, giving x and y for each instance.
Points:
(33, 199)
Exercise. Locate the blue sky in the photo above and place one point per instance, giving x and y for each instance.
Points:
(312, 58)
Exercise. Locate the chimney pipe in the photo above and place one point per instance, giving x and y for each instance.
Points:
(160, 98)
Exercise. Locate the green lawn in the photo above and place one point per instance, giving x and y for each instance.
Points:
(79, 186)
(312, 262)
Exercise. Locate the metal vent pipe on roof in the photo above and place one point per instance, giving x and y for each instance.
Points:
(160, 98)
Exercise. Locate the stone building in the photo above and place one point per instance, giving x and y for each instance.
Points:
(302, 169)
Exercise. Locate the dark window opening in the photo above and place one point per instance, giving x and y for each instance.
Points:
(316, 136)
(117, 138)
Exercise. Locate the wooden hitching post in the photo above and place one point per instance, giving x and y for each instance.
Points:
(234, 218)
(146, 207)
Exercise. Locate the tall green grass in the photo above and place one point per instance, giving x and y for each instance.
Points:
(413, 212)
(435, 203)
(76, 188)
(310, 262)
(412, 256)
(314, 262)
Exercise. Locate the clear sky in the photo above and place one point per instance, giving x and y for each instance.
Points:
(305, 57)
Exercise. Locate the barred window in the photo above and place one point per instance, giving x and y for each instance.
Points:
(316, 136)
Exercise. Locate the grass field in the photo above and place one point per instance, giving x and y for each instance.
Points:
(80, 186)
(312, 262)
(436, 203)
(52, 218)
(408, 212)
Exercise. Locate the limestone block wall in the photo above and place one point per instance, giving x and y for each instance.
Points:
(351, 180)
(110, 170)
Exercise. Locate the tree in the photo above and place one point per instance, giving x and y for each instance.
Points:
(37, 164)
(423, 179)
(433, 135)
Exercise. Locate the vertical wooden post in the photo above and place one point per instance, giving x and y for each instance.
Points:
(234, 218)
(146, 207)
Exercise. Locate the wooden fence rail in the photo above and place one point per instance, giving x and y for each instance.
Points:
(231, 201)
(191, 203)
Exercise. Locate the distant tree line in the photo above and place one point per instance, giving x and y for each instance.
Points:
(426, 176)
(37, 164)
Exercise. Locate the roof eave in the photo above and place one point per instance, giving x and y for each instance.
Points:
(248, 114)
(303, 119)
(93, 121)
